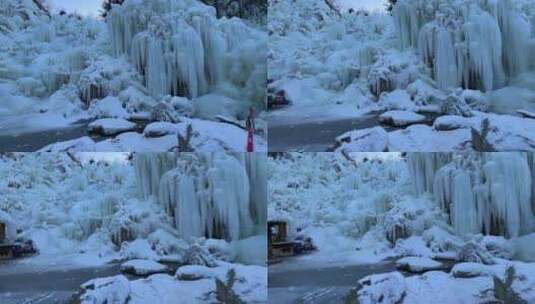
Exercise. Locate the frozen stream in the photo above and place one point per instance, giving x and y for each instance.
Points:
(329, 284)
(25, 284)
(313, 136)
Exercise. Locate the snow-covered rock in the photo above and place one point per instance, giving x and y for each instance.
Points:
(143, 267)
(374, 139)
(451, 122)
(470, 270)
(138, 249)
(194, 272)
(527, 114)
(384, 288)
(401, 118)
(80, 144)
(418, 264)
(397, 100)
(158, 129)
(110, 126)
(109, 107)
(106, 290)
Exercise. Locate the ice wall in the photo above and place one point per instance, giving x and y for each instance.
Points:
(476, 44)
(214, 195)
(489, 193)
(182, 49)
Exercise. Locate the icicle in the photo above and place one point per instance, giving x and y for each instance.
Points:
(216, 195)
(423, 167)
(489, 193)
(476, 43)
(464, 213)
(257, 172)
(149, 169)
(230, 193)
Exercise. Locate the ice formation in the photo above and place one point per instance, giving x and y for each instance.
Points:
(149, 169)
(208, 195)
(476, 44)
(181, 48)
(489, 193)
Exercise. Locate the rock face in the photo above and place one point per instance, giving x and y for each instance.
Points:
(418, 264)
(401, 118)
(143, 267)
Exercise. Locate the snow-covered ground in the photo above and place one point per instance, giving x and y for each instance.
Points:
(156, 214)
(404, 228)
(467, 60)
(149, 61)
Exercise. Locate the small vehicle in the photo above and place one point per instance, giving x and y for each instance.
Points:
(303, 244)
(278, 100)
(10, 250)
(280, 246)
(23, 248)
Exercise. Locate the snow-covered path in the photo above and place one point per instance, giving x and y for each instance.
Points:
(329, 284)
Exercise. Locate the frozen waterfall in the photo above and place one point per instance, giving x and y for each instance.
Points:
(181, 48)
(149, 169)
(213, 195)
(489, 193)
(476, 44)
